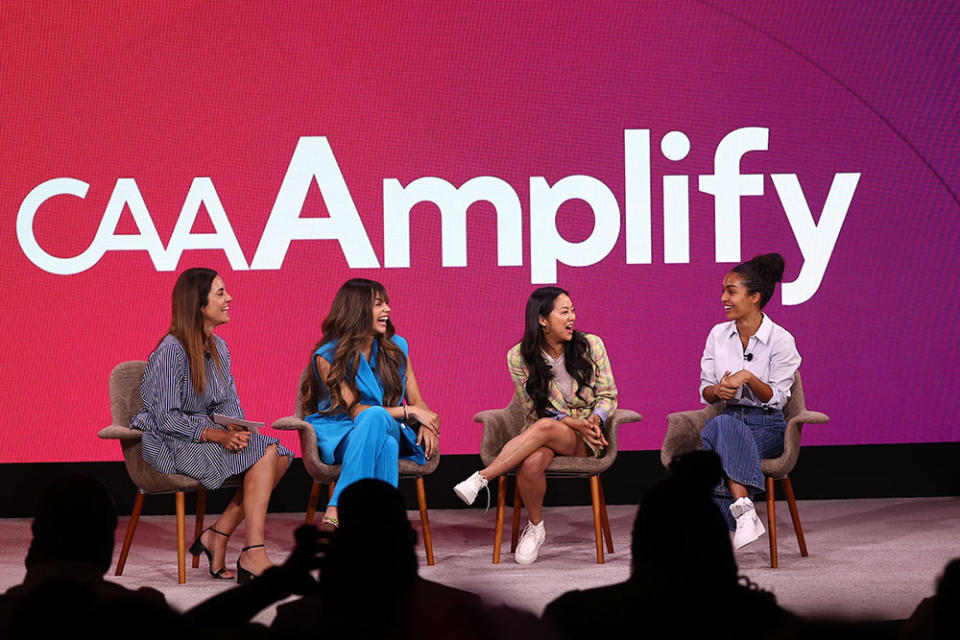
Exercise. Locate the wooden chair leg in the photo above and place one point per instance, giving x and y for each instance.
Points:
(517, 504)
(597, 526)
(181, 535)
(312, 502)
(425, 520)
(198, 527)
(795, 515)
(604, 519)
(498, 531)
(772, 523)
(131, 528)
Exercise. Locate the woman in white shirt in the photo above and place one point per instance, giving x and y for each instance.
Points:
(748, 363)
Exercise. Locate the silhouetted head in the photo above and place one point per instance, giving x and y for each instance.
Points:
(75, 521)
(373, 551)
(680, 540)
(946, 608)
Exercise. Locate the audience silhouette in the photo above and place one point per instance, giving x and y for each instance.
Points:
(938, 617)
(684, 580)
(369, 587)
(71, 550)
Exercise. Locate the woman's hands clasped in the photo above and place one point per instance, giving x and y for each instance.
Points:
(233, 439)
(730, 383)
(591, 429)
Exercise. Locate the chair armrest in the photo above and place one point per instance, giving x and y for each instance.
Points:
(810, 417)
(497, 430)
(493, 416)
(291, 423)
(612, 426)
(119, 432)
(624, 415)
(308, 439)
(683, 432)
(795, 428)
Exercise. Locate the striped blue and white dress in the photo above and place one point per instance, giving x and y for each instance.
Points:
(174, 416)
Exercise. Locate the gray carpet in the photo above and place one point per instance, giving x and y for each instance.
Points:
(868, 558)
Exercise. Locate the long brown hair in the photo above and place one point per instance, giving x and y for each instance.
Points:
(350, 323)
(186, 323)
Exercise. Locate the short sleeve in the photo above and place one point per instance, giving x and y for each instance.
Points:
(326, 351)
(402, 343)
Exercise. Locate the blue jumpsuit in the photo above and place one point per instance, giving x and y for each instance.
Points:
(371, 445)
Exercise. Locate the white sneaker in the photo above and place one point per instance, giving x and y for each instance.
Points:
(469, 488)
(749, 527)
(530, 542)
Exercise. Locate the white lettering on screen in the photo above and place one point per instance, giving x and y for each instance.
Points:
(313, 159)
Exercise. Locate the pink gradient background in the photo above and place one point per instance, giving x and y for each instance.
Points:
(164, 93)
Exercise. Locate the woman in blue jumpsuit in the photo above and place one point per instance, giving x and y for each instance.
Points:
(362, 375)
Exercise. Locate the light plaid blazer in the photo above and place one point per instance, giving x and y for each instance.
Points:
(600, 399)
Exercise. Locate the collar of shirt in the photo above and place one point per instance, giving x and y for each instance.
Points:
(763, 331)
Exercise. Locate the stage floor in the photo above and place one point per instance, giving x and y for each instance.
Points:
(868, 558)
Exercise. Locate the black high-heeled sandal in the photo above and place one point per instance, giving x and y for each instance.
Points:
(198, 547)
(244, 576)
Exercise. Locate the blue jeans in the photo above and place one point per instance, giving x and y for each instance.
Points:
(742, 436)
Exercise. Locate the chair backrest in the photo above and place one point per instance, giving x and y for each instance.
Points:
(796, 403)
(301, 411)
(125, 400)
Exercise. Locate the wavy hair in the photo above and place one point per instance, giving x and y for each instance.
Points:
(186, 324)
(350, 323)
(576, 352)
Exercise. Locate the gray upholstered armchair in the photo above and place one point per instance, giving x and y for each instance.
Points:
(683, 435)
(499, 425)
(329, 474)
(125, 402)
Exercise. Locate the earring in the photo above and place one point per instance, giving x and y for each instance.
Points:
(545, 328)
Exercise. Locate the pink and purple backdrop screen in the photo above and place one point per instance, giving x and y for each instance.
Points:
(859, 104)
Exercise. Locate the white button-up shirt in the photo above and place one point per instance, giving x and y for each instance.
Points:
(775, 360)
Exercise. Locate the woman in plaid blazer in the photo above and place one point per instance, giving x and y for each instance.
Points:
(563, 378)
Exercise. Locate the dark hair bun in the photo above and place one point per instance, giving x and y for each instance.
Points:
(769, 266)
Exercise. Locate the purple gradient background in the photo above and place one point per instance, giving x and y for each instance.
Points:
(164, 94)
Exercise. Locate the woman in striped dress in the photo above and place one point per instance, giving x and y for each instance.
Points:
(748, 363)
(187, 380)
